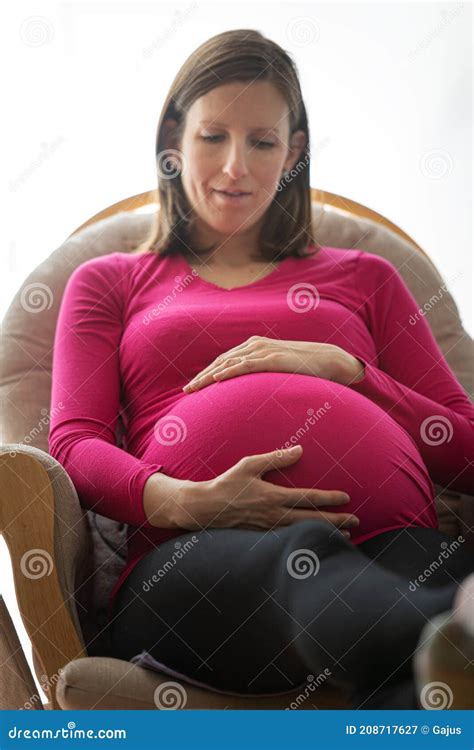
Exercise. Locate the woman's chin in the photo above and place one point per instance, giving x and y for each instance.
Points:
(225, 222)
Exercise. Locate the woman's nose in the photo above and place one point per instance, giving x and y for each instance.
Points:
(236, 162)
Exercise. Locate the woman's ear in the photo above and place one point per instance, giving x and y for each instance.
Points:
(297, 145)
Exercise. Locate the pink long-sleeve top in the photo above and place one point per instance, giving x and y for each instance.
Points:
(133, 329)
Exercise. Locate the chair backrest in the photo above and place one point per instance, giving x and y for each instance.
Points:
(30, 322)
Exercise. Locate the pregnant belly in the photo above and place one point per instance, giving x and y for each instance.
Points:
(349, 444)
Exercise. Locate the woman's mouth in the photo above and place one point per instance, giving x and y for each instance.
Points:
(231, 197)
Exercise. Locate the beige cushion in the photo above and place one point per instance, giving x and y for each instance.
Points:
(106, 683)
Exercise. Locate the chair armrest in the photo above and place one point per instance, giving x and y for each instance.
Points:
(40, 519)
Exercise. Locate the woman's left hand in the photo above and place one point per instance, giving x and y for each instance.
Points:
(261, 354)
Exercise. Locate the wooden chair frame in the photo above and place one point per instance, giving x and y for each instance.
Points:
(27, 504)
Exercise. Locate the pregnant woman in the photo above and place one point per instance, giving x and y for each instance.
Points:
(228, 337)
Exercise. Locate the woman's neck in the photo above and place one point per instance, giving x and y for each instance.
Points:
(238, 261)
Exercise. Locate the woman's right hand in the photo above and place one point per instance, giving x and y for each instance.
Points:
(241, 498)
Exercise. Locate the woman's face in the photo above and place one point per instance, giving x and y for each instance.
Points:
(236, 137)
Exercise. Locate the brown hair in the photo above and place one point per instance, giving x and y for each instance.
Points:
(239, 55)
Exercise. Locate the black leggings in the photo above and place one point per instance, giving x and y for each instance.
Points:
(257, 611)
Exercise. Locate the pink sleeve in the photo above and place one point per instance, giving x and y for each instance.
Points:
(413, 382)
(85, 400)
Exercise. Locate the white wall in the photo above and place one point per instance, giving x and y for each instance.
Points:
(387, 87)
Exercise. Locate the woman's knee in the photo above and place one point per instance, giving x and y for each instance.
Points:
(303, 546)
(316, 535)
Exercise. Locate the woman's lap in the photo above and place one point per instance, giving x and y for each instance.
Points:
(430, 557)
(218, 608)
(203, 604)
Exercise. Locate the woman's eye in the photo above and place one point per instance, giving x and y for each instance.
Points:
(214, 138)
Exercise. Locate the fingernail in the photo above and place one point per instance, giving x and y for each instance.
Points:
(354, 521)
(294, 448)
(346, 534)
